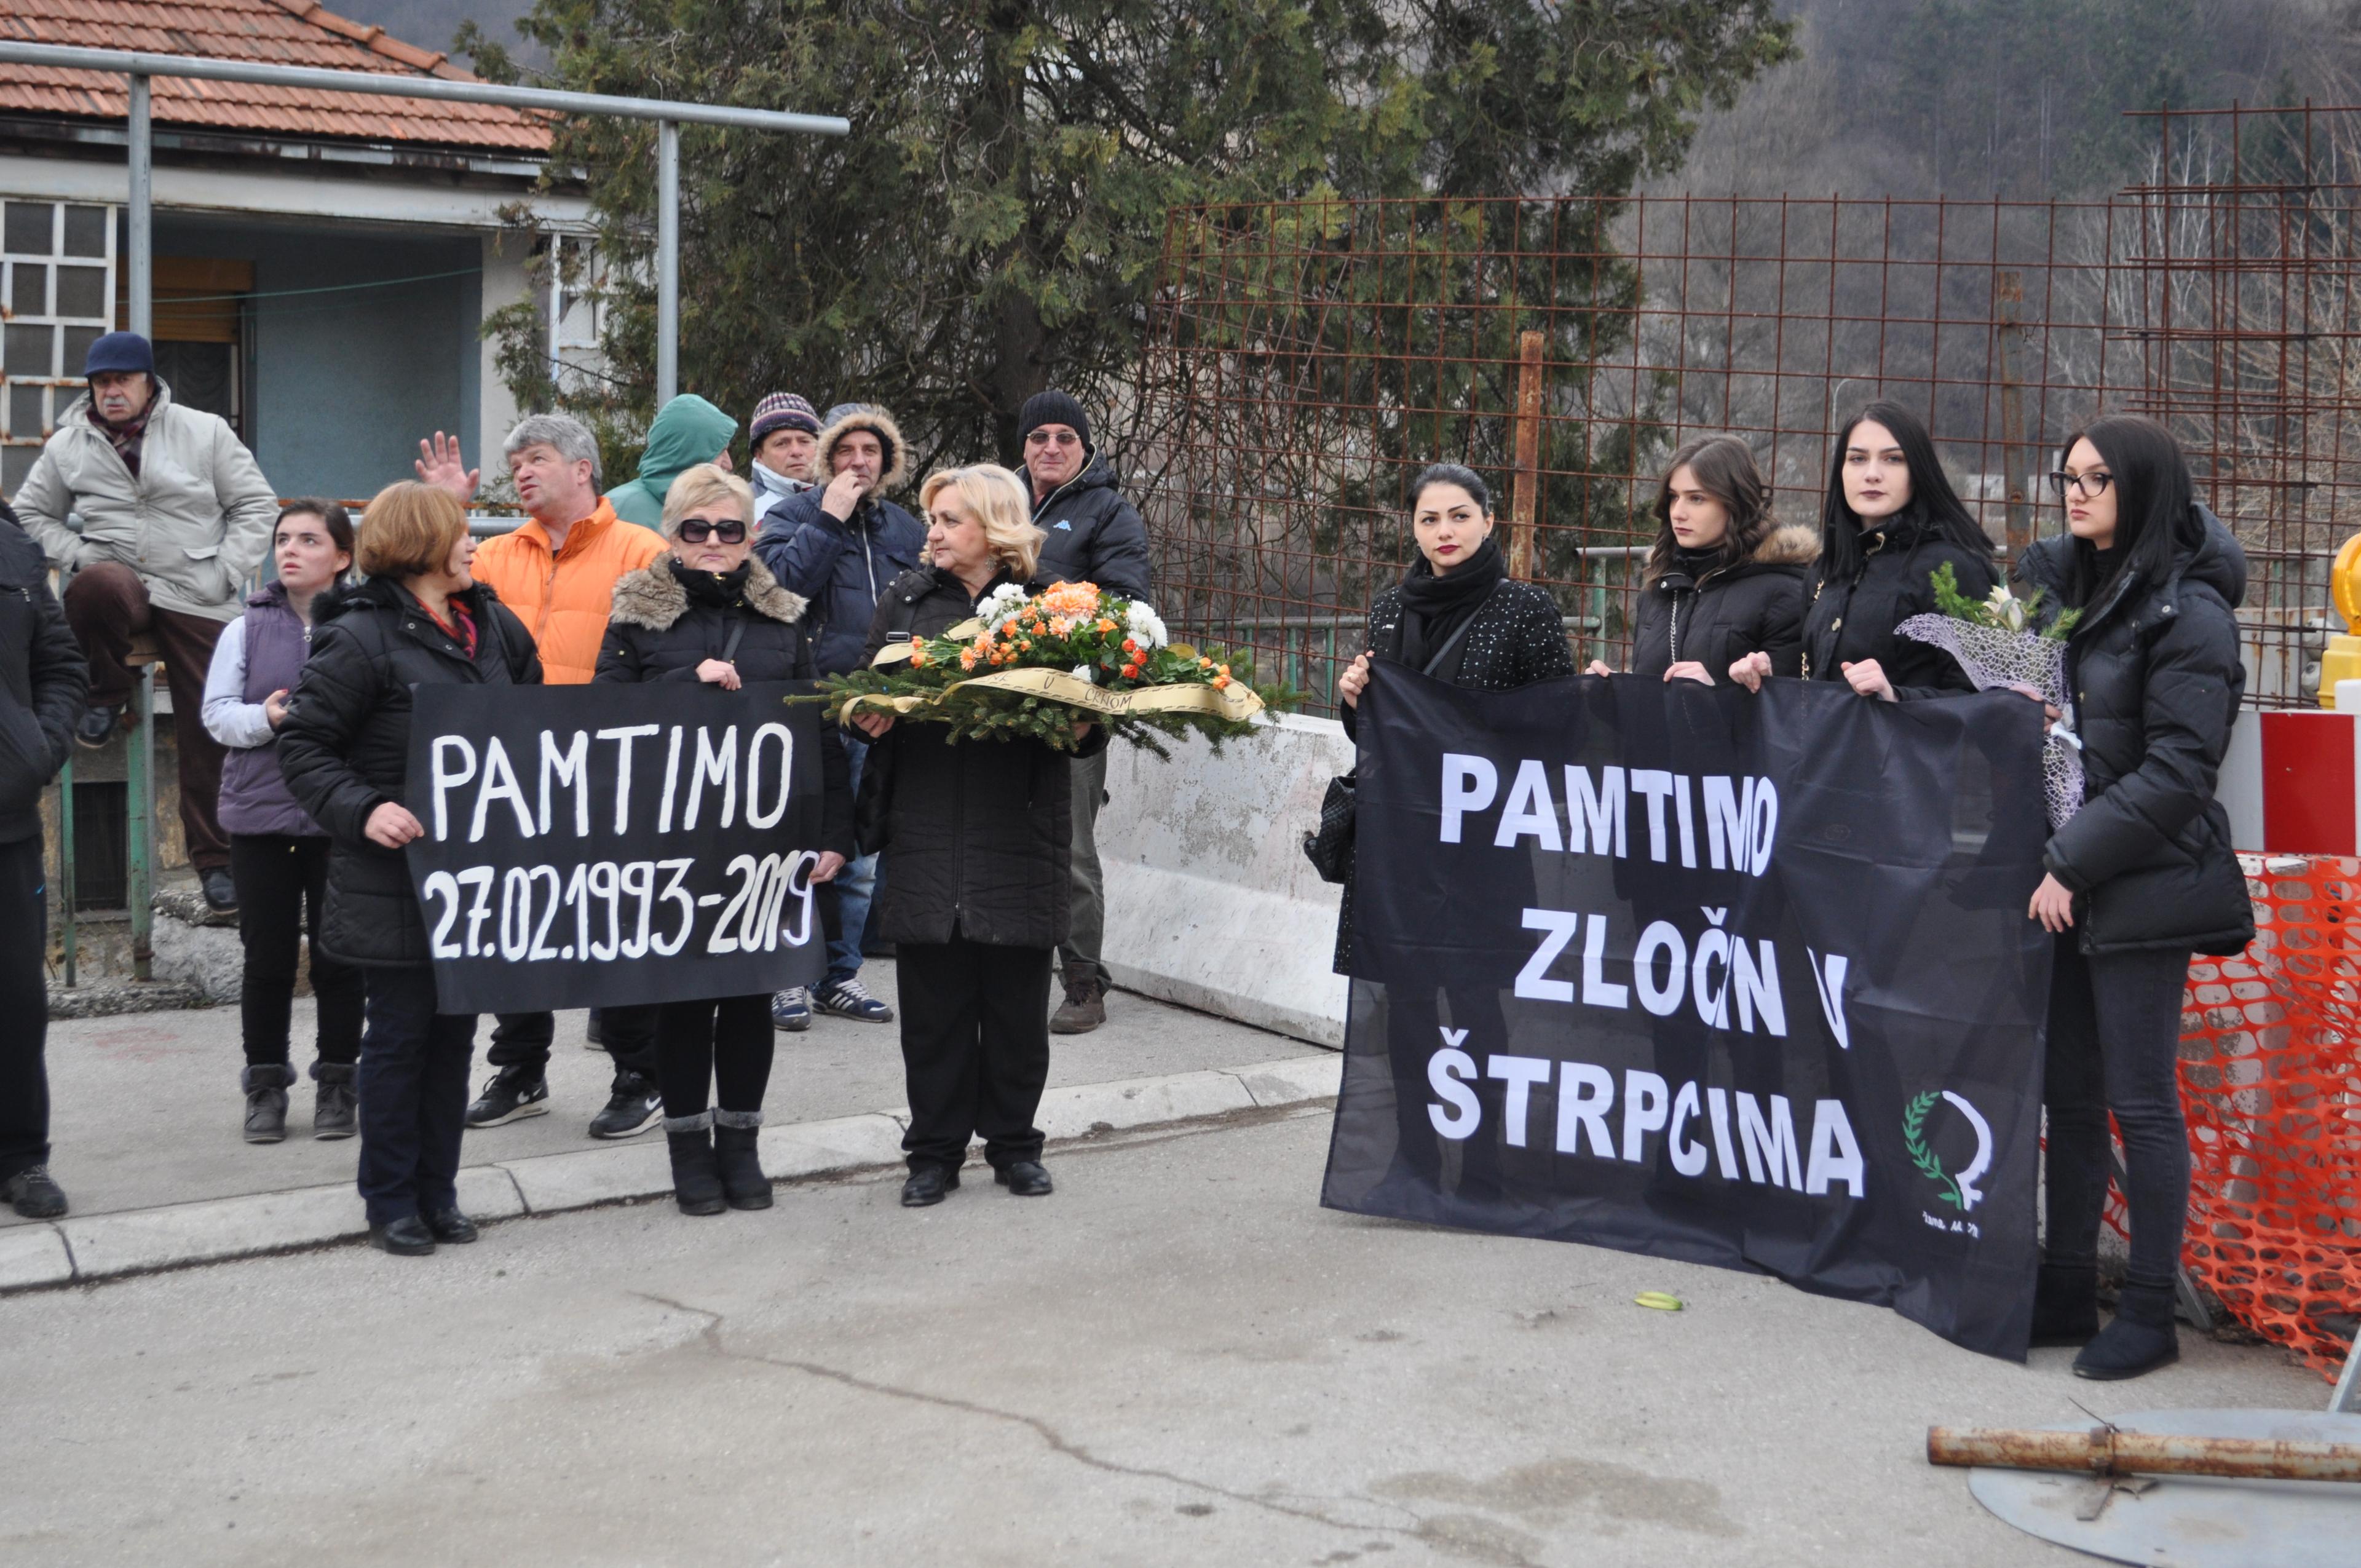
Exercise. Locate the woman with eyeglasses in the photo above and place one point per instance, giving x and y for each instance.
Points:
(1890, 521)
(2141, 876)
(707, 611)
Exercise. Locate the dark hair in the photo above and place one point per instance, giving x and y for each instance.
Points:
(1724, 467)
(1932, 499)
(331, 516)
(2156, 504)
(1436, 473)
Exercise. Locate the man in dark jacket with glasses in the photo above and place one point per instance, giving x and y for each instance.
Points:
(1090, 534)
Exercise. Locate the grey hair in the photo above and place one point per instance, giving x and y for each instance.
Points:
(568, 437)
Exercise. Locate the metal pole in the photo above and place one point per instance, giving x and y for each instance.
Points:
(66, 893)
(667, 260)
(1525, 484)
(139, 766)
(140, 287)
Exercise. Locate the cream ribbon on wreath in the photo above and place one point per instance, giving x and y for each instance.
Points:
(1235, 702)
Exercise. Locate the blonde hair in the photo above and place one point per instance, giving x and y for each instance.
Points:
(699, 486)
(408, 529)
(1000, 501)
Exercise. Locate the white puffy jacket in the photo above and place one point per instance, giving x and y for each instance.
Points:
(194, 523)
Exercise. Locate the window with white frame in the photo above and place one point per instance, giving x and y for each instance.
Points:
(57, 274)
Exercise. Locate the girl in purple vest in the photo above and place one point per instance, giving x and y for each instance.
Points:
(278, 857)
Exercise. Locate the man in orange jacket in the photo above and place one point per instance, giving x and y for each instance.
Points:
(557, 571)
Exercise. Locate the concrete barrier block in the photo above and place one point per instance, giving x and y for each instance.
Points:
(551, 1182)
(1293, 1080)
(1072, 1111)
(219, 1228)
(33, 1254)
(1209, 902)
(845, 1143)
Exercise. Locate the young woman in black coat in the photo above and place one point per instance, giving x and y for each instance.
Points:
(1723, 581)
(709, 613)
(2142, 875)
(1890, 519)
(977, 870)
(1458, 617)
(344, 748)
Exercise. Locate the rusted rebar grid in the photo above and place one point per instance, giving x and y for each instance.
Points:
(1306, 359)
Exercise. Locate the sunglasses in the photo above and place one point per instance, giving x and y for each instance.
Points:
(698, 530)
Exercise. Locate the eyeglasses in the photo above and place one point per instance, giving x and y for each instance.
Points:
(2089, 485)
(698, 530)
(1043, 438)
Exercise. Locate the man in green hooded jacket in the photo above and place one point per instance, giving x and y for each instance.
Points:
(687, 431)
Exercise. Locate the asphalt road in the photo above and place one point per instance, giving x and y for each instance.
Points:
(1180, 1358)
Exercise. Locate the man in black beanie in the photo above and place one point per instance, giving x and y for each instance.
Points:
(1090, 534)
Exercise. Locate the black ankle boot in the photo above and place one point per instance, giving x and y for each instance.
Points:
(266, 1101)
(2140, 1339)
(2065, 1304)
(696, 1176)
(742, 1181)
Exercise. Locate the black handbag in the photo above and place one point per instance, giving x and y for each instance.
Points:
(1330, 851)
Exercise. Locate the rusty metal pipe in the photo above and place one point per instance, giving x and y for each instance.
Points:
(2105, 1451)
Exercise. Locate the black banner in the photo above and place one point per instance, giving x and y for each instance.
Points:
(1745, 980)
(598, 846)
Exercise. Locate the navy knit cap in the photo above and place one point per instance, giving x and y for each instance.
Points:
(782, 411)
(119, 351)
(1053, 407)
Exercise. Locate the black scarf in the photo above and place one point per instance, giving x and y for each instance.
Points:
(722, 590)
(1433, 607)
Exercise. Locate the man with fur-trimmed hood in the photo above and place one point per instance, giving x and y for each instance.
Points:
(840, 545)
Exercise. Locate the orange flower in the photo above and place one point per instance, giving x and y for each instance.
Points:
(1221, 670)
(967, 659)
(1104, 624)
(1131, 671)
(1221, 683)
(1071, 598)
(917, 656)
(1204, 663)
(1131, 647)
(1026, 643)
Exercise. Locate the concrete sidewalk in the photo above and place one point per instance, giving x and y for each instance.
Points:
(147, 1113)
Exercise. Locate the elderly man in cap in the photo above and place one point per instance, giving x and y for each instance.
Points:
(174, 516)
(1090, 534)
(784, 438)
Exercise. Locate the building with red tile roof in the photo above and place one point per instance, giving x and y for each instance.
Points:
(323, 260)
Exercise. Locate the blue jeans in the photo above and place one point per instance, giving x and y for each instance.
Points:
(413, 1083)
(855, 886)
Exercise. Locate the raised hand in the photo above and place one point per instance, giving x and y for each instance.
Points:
(440, 465)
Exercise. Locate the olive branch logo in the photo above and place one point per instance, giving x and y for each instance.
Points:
(1914, 1143)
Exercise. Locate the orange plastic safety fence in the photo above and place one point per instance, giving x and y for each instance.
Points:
(2270, 1076)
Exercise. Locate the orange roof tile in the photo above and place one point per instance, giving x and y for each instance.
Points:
(280, 32)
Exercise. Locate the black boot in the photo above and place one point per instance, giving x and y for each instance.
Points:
(696, 1176)
(2065, 1304)
(2140, 1339)
(266, 1101)
(334, 1108)
(742, 1180)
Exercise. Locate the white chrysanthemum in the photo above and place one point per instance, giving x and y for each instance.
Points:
(1082, 674)
(1001, 605)
(1145, 625)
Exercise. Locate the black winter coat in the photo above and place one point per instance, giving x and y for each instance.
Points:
(346, 744)
(1090, 534)
(1754, 606)
(1517, 637)
(978, 835)
(44, 680)
(2156, 680)
(839, 567)
(660, 633)
(1848, 622)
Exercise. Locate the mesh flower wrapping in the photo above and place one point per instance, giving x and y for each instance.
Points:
(1995, 657)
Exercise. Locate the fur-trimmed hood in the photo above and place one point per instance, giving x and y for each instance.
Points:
(654, 597)
(1788, 544)
(878, 422)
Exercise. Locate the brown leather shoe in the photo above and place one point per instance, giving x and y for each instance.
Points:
(1084, 1009)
